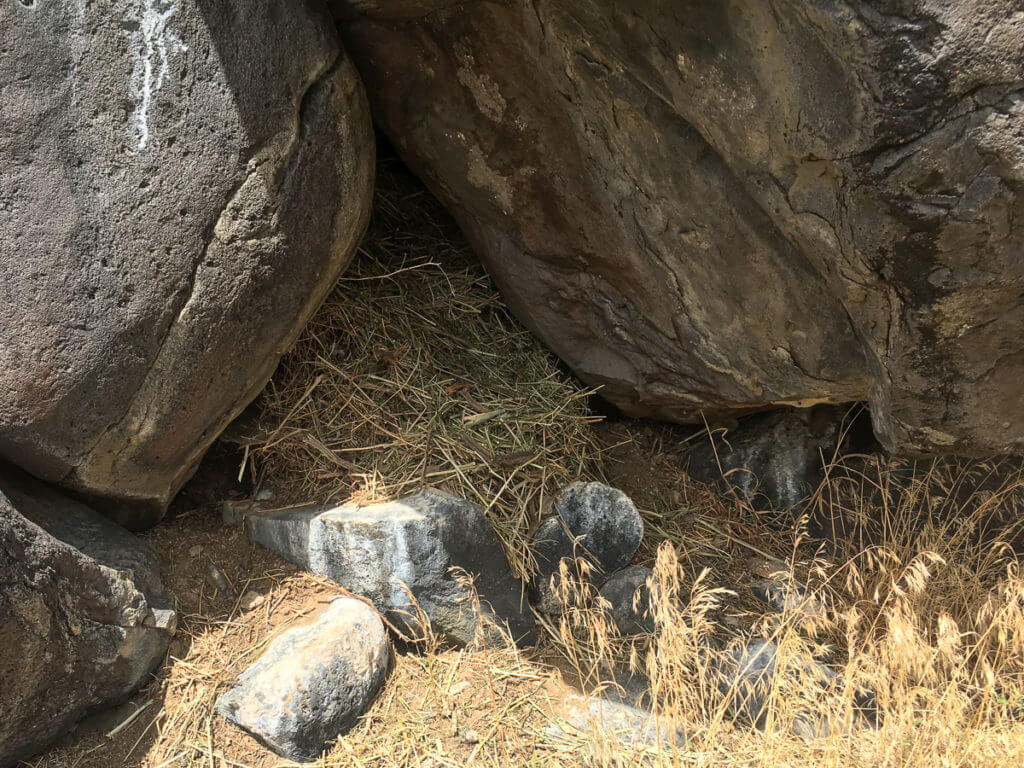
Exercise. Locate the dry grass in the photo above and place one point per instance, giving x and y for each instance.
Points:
(923, 621)
(420, 376)
(928, 617)
(414, 373)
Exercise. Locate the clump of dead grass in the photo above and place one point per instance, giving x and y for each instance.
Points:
(414, 373)
(922, 624)
(927, 644)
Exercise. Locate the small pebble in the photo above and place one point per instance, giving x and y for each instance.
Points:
(216, 579)
(470, 736)
(251, 599)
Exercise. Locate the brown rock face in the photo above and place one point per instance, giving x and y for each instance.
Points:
(180, 184)
(83, 618)
(721, 206)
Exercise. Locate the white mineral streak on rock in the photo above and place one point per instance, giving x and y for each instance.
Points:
(403, 571)
(151, 43)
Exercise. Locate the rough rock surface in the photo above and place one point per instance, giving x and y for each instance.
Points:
(776, 460)
(180, 184)
(748, 675)
(589, 519)
(313, 682)
(417, 541)
(721, 206)
(83, 619)
(630, 599)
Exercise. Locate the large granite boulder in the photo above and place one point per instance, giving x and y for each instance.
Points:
(180, 184)
(716, 207)
(83, 619)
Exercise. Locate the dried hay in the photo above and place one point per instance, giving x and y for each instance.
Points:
(414, 373)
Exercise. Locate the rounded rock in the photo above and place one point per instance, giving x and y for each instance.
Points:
(630, 599)
(590, 519)
(312, 683)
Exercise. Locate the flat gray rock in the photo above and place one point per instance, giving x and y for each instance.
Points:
(83, 617)
(630, 599)
(180, 185)
(381, 550)
(629, 720)
(589, 520)
(313, 682)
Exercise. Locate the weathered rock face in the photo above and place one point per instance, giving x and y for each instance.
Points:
(722, 206)
(414, 546)
(180, 184)
(313, 682)
(82, 616)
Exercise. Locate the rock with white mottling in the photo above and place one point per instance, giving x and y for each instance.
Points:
(776, 460)
(180, 185)
(408, 550)
(590, 520)
(313, 682)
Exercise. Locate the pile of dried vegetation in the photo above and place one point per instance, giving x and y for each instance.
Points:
(415, 373)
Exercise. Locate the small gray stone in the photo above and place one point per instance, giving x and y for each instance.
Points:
(234, 511)
(380, 550)
(589, 519)
(313, 682)
(250, 600)
(630, 600)
(747, 676)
